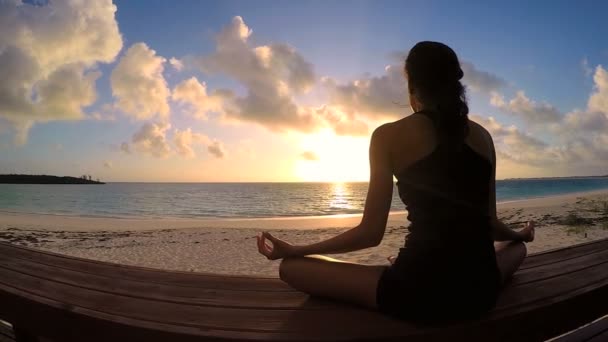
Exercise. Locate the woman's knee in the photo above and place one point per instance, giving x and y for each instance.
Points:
(521, 250)
(288, 268)
(512, 248)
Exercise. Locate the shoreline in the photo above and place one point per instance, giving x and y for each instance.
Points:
(297, 222)
(228, 246)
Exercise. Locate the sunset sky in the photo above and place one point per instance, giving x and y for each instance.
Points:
(195, 91)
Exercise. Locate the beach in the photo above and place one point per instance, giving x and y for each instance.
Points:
(227, 246)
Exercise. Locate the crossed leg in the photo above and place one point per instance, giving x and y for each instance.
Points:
(331, 278)
(509, 256)
(355, 283)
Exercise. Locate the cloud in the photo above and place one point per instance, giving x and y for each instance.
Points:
(48, 59)
(530, 111)
(309, 155)
(481, 81)
(151, 139)
(477, 80)
(583, 122)
(107, 112)
(108, 164)
(185, 140)
(125, 148)
(384, 96)
(343, 123)
(271, 74)
(176, 64)
(513, 144)
(598, 101)
(193, 94)
(576, 141)
(585, 67)
(217, 149)
(138, 84)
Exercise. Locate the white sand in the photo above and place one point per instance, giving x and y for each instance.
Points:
(228, 246)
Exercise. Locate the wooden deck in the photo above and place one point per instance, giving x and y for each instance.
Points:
(594, 332)
(66, 298)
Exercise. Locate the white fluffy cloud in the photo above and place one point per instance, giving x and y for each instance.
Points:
(138, 84)
(48, 56)
(530, 111)
(513, 144)
(343, 123)
(481, 81)
(272, 75)
(193, 94)
(151, 139)
(185, 143)
(383, 96)
(598, 101)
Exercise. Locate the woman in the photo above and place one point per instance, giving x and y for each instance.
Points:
(445, 165)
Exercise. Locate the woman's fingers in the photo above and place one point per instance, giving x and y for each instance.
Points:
(263, 248)
(260, 248)
(268, 236)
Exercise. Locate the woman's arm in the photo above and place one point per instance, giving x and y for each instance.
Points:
(500, 230)
(370, 231)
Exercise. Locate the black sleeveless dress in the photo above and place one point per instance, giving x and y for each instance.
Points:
(447, 269)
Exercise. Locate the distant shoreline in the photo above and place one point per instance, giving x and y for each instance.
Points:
(45, 179)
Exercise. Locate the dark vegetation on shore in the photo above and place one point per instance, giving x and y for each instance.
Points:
(46, 179)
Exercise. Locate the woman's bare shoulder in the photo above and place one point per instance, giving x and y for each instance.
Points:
(411, 127)
(480, 140)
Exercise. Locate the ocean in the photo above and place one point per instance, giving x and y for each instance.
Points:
(236, 200)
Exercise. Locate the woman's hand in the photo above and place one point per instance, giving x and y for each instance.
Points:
(527, 234)
(280, 249)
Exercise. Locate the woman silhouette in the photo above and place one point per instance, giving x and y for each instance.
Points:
(445, 165)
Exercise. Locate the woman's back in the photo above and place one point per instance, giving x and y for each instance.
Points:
(446, 189)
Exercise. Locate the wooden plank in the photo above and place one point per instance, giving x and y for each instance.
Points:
(99, 326)
(6, 332)
(603, 337)
(168, 293)
(333, 322)
(242, 299)
(585, 333)
(561, 254)
(340, 319)
(520, 297)
(553, 269)
(197, 280)
(339, 323)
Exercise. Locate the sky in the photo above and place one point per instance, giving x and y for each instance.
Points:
(273, 91)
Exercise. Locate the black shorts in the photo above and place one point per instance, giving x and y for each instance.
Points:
(426, 289)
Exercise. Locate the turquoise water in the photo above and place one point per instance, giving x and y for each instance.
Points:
(206, 200)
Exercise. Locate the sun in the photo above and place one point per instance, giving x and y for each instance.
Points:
(338, 158)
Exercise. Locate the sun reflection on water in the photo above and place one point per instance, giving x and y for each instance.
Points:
(340, 196)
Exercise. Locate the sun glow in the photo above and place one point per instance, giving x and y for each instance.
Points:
(339, 158)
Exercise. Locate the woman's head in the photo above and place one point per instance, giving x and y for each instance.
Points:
(433, 73)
